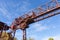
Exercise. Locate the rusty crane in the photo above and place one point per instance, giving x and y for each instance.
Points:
(40, 13)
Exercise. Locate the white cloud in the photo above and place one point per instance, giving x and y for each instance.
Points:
(56, 37)
(5, 13)
(24, 7)
(10, 8)
(39, 27)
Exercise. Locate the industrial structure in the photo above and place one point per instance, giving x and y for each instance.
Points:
(40, 13)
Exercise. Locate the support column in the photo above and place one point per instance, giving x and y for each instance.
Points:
(24, 34)
(14, 34)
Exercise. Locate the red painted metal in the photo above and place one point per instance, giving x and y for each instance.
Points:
(38, 14)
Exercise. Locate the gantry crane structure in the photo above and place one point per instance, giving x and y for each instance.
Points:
(37, 14)
(40, 13)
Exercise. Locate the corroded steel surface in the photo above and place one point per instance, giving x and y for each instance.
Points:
(40, 13)
(31, 16)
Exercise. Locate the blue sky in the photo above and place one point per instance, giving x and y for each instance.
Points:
(42, 30)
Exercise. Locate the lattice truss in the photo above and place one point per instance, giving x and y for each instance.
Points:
(42, 12)
(37, 14)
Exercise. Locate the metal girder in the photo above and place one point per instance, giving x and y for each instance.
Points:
(37, 14)
(44, 17)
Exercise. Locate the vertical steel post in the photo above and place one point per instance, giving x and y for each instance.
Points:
(24, 34)
(14, 34)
